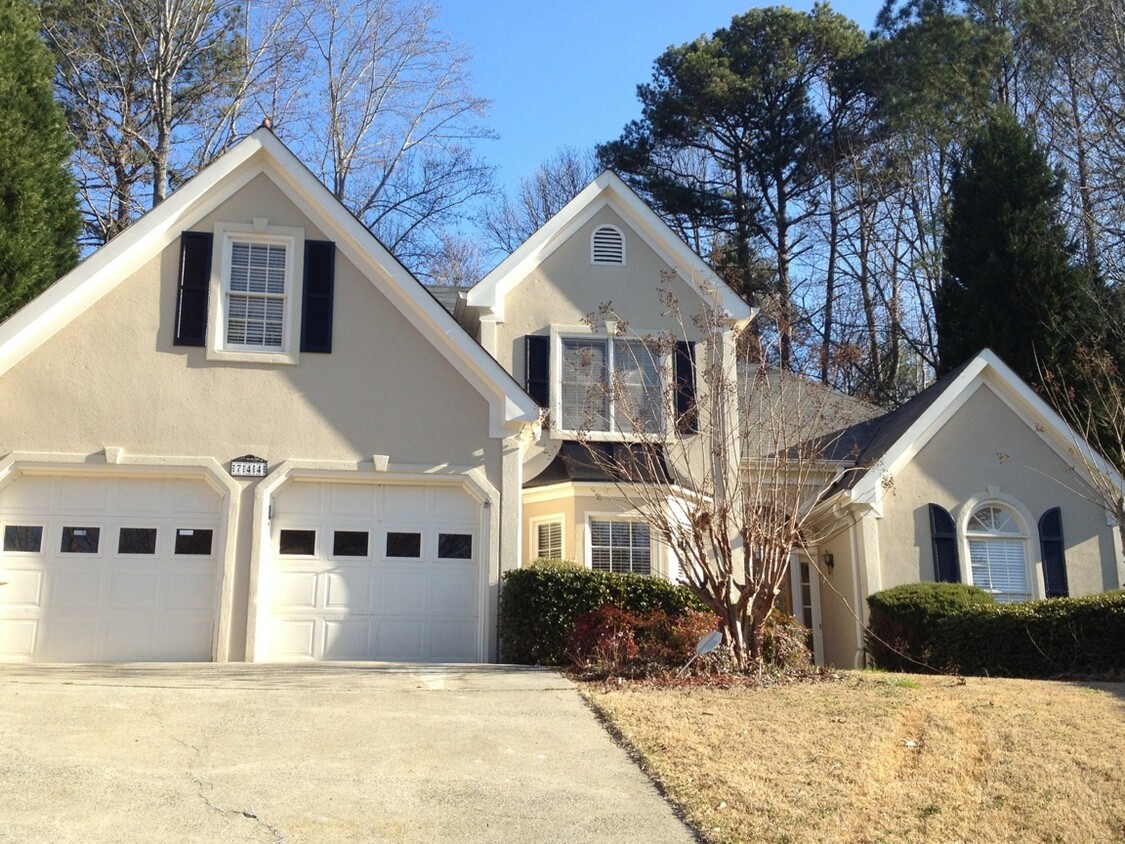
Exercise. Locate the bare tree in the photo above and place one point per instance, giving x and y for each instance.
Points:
(137, 78)
(537, 198)
(378, 103)
(730, 484)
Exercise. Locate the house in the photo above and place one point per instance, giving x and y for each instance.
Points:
(242, 431)
(975, 480)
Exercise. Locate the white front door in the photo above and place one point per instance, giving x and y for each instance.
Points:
(372, 572)
(805, 584)
(108, 569)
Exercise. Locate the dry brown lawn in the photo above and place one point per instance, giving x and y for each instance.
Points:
(885, 757)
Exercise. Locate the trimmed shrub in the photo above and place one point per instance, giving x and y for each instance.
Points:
(1058, 637)
(902, 631)
(604, 637)
(538, 607)
(617, 641)
(1053, 638)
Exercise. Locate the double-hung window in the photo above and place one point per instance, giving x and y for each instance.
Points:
(610, 385)
(620, 546)
(258, 296)
(257, 289)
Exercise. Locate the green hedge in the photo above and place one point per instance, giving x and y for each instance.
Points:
(1053, 638)
(538, 607)
(902, 629)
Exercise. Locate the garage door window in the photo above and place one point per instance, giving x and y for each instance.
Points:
(455, 546)
(80, 540)
(27, 539)
(404, 544)
(349, 543)
(193, 541)
(136, 541)
(298, 543)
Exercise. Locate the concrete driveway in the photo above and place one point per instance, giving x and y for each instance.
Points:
(318, 753)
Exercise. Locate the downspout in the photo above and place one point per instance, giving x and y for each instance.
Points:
(860, 660)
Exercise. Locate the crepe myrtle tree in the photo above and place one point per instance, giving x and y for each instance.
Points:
(729, 482)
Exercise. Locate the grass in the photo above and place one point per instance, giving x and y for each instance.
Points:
(884, 758)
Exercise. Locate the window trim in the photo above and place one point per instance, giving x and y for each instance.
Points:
(259, 231)
(533, 527)
(560, 333)
(1022, 517)
(588, 560)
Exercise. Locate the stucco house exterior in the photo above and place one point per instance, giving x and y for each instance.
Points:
(242, 431)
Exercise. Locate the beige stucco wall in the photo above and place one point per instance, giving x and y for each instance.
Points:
(838, 600)
(113, 378)
(576, 503)
(986, 445)
(566, 287)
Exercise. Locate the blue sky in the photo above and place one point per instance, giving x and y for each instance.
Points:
(565, 72)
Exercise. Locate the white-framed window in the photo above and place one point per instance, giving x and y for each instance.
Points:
(607, 246)
(610, 385)
(997, 542)
(623, 546)
(255, 297)
(547, 536)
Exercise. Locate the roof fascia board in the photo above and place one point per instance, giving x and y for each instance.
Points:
(110, 265)
(510, 407)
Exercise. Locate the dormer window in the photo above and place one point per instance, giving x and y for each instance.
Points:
(256, 295)
(607, 246)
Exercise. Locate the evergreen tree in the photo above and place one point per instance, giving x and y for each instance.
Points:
(38, 209)
(1009, 281)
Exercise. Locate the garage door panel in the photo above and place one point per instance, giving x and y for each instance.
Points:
(188, 633)
(352, 501)
(17, 639)
(400, 592)
(80, 495)
(132, 590)
(29, 494)
(349, 589)
(69, 639)
(24, 589)
(453, 638)
(294, 590)
(347, 639)
(130, 640)
(448, 591)
(400, 640)
(73, 589)
(188, 591)
(294, 638)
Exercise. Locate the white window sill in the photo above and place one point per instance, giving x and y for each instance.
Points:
(253, 356)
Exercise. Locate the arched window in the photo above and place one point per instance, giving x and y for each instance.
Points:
(998, 553)
(607, 246)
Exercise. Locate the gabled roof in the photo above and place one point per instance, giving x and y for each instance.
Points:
(262, 153)
(606, 190)
(884, 445)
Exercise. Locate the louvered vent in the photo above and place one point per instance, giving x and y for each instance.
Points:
(607, 246)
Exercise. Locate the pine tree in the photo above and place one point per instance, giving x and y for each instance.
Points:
(1009, 279)
(38, 209)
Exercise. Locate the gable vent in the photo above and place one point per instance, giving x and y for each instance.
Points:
(607, 246)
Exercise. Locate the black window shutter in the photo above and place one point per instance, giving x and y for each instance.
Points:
(194, 288)
(687, 416)
(1054, 553)
(316, 309)
(537, 368)
(947, 563)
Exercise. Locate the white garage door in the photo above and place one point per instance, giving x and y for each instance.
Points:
(370, 572)
(108, 569)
